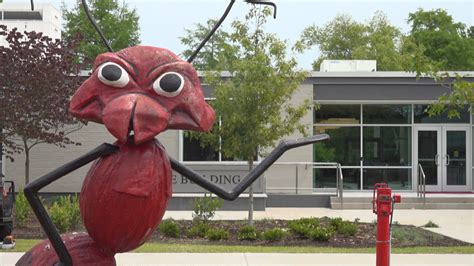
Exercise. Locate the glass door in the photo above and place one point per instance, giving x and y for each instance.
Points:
(428, 150)
(455, 154)
(443, 152)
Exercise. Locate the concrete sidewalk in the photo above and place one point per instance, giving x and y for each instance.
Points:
(253, 259)
(458, 224)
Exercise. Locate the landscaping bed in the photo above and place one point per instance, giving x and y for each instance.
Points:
(403, 235)
(202, 230)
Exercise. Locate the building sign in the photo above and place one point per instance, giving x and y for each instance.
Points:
(226, 176)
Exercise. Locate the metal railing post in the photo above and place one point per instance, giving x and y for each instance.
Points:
(424, 188)
(421, 186)
(296, 180)
(341, 185)
(418, 180)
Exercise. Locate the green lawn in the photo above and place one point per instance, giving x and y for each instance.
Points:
(23, 245)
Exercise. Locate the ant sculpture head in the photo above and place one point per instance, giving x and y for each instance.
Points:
(144, 90)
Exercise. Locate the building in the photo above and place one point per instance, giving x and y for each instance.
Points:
(379, 133)
(45, 18)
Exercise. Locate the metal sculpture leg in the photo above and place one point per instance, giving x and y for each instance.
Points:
(31, 193)
(252, 176)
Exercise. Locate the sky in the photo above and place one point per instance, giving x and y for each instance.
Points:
(163, 21)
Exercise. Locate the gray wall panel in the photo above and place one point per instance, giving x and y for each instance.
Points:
(371, 92)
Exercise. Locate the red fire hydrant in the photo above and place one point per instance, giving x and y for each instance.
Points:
(383, 206)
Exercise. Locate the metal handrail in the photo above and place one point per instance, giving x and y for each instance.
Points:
(340, 178)
(421, 186)
(339, 175)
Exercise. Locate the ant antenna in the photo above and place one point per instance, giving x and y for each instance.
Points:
(226, 12)
(209, 35)
(91, 19)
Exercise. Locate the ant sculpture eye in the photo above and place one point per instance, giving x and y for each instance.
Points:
(169, 84)
(114, 75)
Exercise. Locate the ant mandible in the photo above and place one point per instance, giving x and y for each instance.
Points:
(145, 90)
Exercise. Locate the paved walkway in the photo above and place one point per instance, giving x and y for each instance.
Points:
(253, 259)
(458, 224)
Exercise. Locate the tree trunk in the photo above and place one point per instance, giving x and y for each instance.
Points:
(27, 162)
(250, 220)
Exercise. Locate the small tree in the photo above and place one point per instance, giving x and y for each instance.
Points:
(36, 82)
(117, 21)
(254, 104)
(205, 208)
(461, 94)
(207, 59)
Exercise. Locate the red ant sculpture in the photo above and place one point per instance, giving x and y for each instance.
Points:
(144, 90)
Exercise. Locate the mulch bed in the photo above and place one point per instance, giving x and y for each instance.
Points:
(364, 237)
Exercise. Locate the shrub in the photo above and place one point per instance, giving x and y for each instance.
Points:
(22, 209)
(430, 224)
(347, 229)
(343, 227)
(205, 208)
(198, 230)
(217, 234)
(71, 204)
(302, 227)
(275, 234)
(65, 213)
(247, 233)
(169, 228)
(336, 223)
(60, 216)
(321, 233)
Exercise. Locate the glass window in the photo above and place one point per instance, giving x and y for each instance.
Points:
(326, 178)
(343, 147)
(387, 146)
(399, 179)
(192, 151)
(387, 114)
(422, 117)
(337, 114)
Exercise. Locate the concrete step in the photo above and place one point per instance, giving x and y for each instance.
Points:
(407, 203)
(298, 201)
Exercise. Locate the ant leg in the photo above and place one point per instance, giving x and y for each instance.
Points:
(282, 147)
(31, 193)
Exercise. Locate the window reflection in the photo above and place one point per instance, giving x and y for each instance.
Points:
(326, 178)
(343, 147)
(192, 150)
(387, 146)
(398, 179)
(387, 114)
(337, 114)
(421, 116)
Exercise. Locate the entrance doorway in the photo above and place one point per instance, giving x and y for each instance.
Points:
(444, 154)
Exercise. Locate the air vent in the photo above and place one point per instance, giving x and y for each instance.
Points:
(22, 15)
